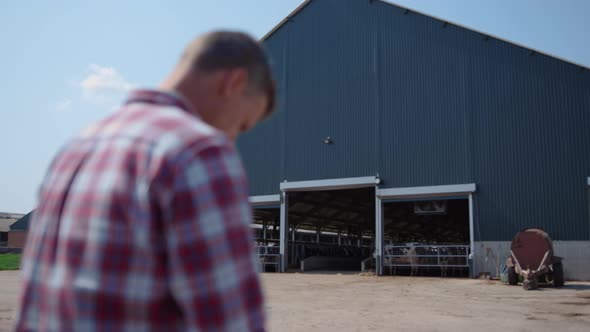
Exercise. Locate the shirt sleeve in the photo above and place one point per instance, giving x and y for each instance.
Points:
(210, 250)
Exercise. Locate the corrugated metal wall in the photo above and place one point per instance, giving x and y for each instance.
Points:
(422, 103)
(322, 101)
(263, 150)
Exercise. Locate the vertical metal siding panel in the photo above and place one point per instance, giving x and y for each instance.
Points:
(423, 101)
(329, 95)
(262, 149)
(527, 171)
(456, 109)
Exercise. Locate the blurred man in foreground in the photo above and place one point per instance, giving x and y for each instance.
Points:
(143, 219)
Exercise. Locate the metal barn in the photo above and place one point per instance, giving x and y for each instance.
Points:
(399, 132)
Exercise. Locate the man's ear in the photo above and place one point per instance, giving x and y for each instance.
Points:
(234, 82)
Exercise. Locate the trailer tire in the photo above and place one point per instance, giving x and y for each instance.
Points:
(530, 284)
(512, 276)
(558, 279)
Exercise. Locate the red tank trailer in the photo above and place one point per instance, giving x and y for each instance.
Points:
(531, 256)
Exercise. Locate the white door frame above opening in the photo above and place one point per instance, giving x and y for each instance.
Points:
(330, 184)
(431, 191)
(265, 200)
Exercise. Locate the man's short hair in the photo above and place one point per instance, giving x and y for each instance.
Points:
(220, 50)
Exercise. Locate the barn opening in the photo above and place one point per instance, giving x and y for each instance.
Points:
(267, 237)
(330, 230)
(427, 237)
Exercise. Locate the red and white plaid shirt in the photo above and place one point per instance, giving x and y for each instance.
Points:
(143, 224)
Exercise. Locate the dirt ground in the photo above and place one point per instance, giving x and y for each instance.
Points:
(9, 289)
(352, 302)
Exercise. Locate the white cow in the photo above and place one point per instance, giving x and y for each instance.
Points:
(410, 258)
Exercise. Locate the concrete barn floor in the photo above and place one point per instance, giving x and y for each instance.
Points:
(353, 302)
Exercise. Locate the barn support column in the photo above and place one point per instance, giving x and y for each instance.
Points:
(293, 254)
(471, 237)
(284, 232)
(378, 234)
(317, 234)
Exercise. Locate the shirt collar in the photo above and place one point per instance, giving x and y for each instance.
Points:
(159, 97)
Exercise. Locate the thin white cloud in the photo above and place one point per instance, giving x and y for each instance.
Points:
(64, 105)
(104, 84)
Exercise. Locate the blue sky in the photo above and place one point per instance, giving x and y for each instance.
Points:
(66, 64)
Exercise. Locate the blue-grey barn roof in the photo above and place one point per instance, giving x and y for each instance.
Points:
(306, 2)
(23, 223)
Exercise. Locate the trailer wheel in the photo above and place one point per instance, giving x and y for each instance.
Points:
(530, 284)
(512, 276)
(558, 279)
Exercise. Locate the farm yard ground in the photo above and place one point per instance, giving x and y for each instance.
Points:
(353, 302)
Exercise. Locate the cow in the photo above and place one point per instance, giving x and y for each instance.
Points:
(409, 257)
